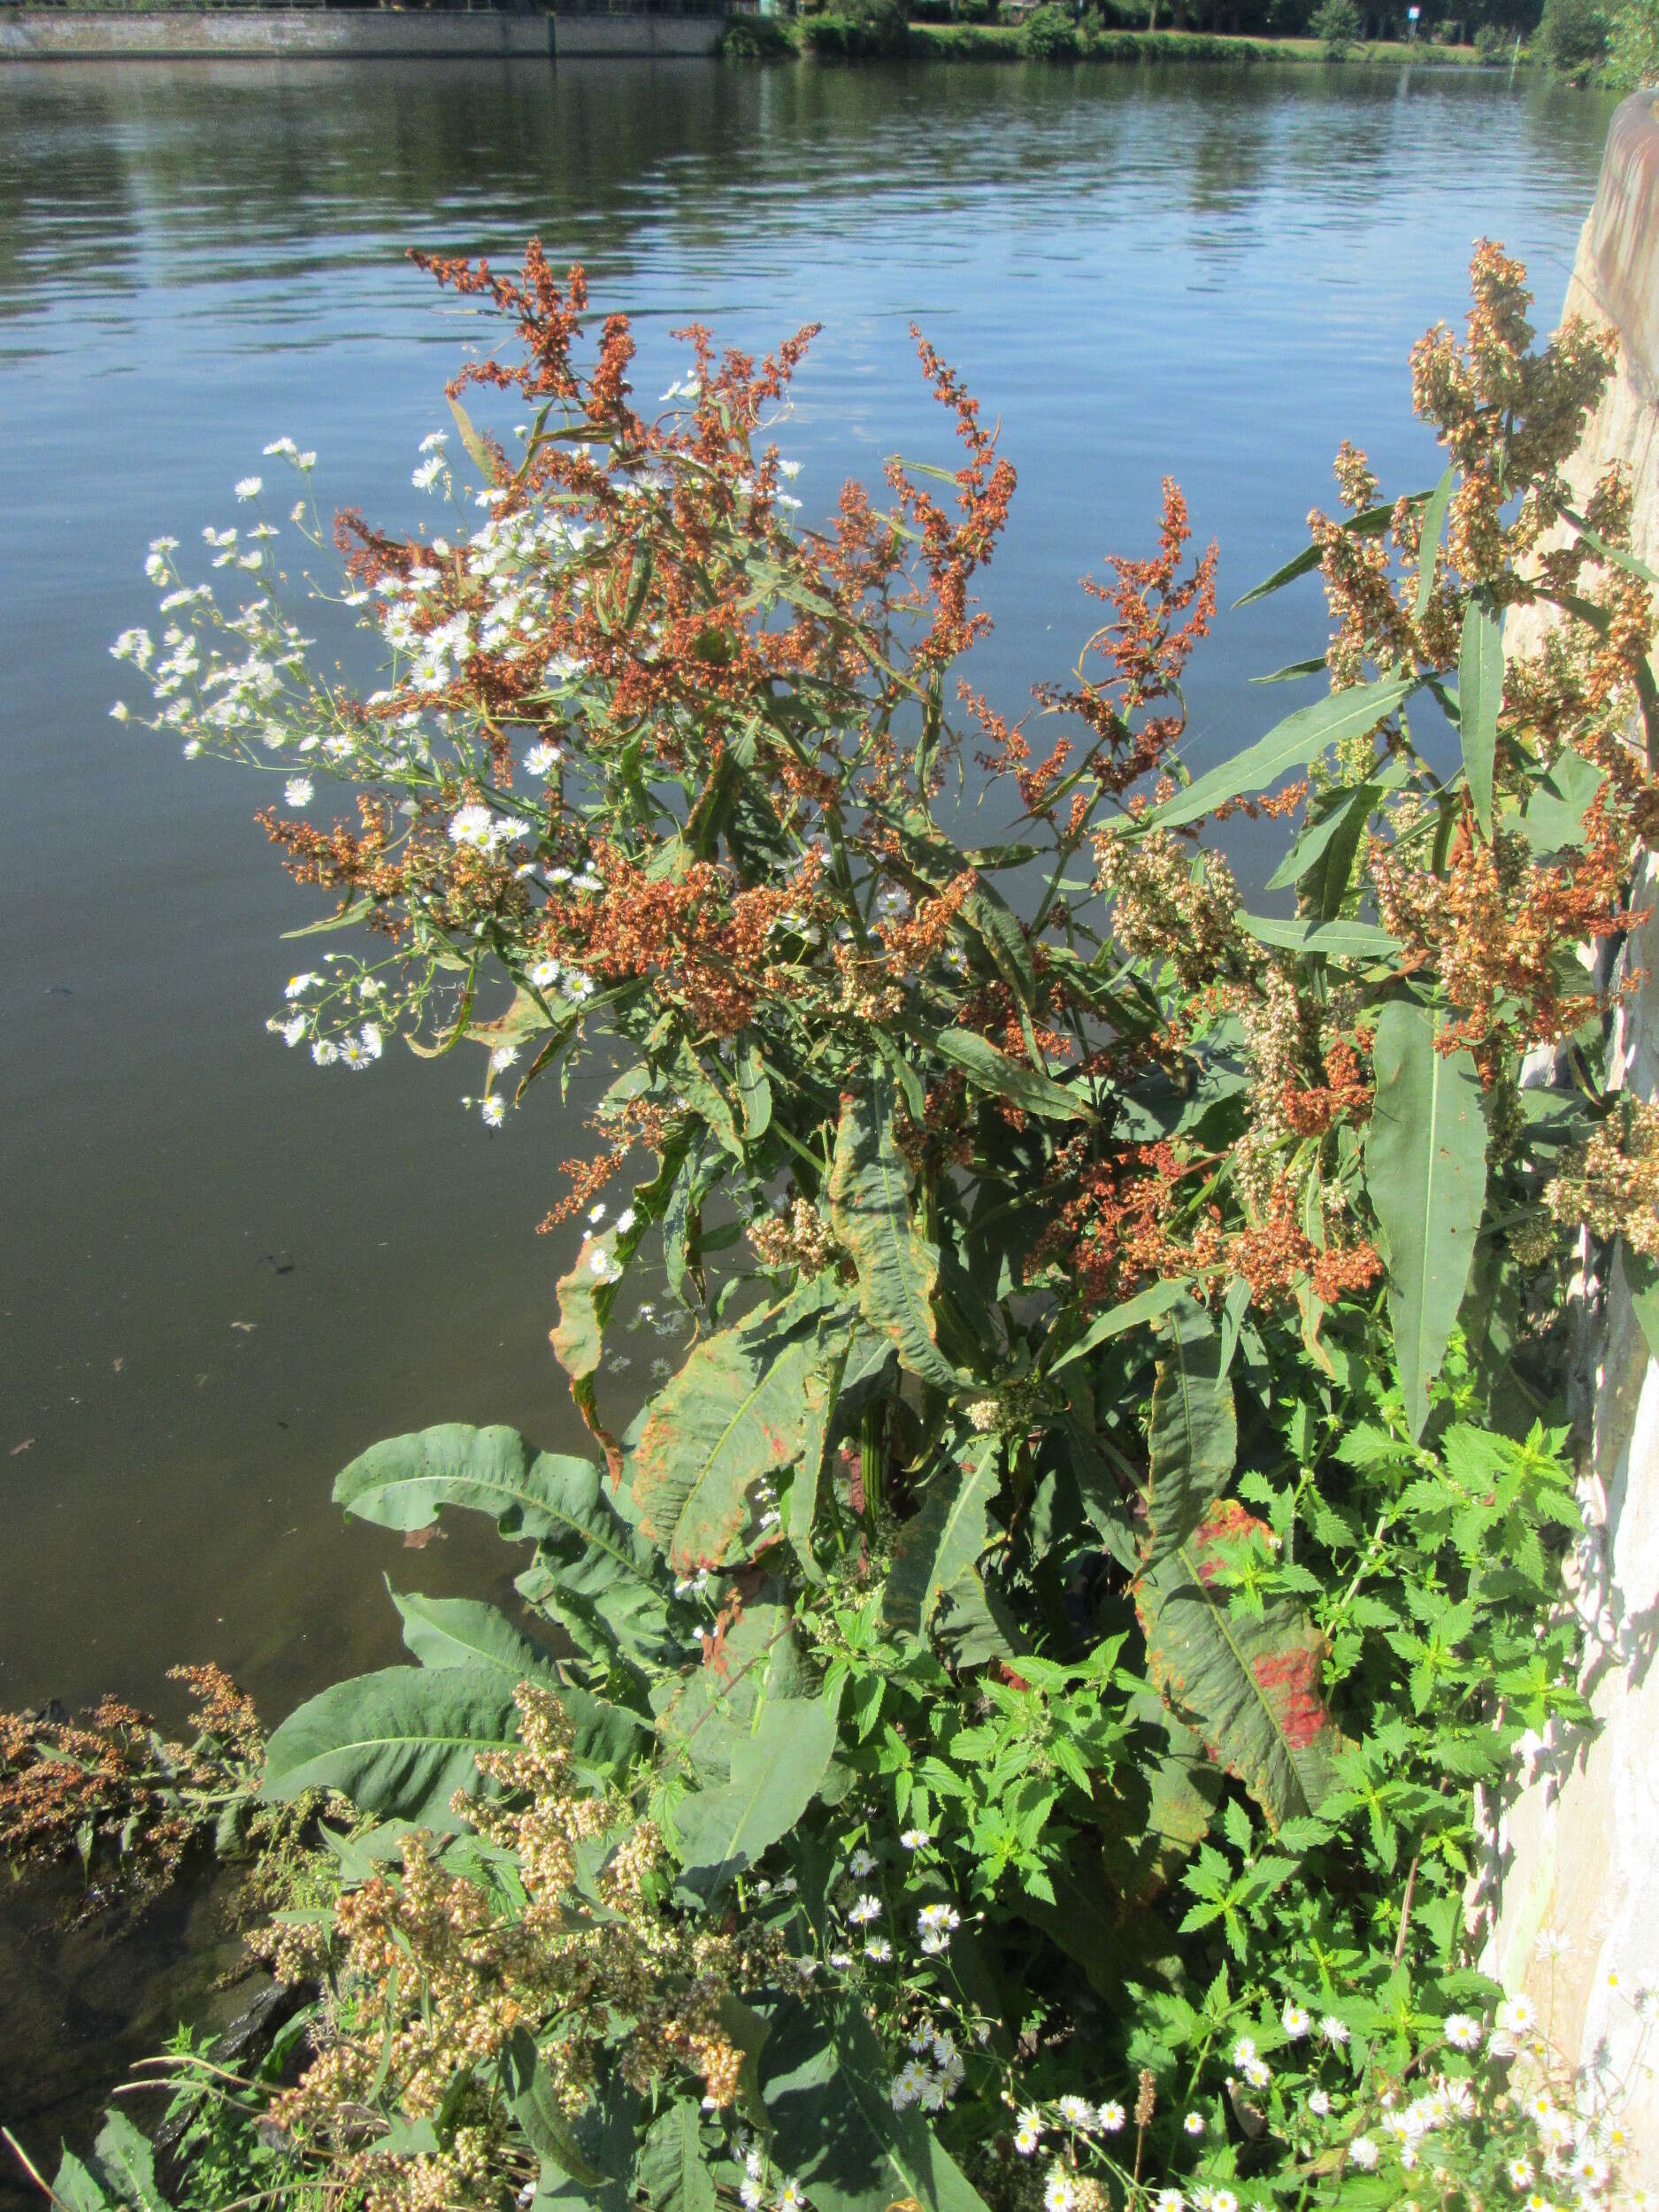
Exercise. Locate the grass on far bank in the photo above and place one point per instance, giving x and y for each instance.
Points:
(765, 36)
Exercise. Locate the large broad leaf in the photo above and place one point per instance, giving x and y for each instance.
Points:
(776, 1772)
(1479, 696)
(938, 1545)
(593, 1573)
(735, 1414)
(587, 1292)
(602, 2136)
(820, 1393)
(1194, 1432)
(835, 2130)
(1022, 1086)
(1293, 743)
(1249, 1683)
(1146, 1305)
(1335, 940)
(1554, 818)
(462, 1633)
(673, 2172)
(399, 1743)
(1426, 1169)
(707, 1714)
(870, 1212)
(1330, 838)
(1429, 540)
(1371, 522)
(402, 1482)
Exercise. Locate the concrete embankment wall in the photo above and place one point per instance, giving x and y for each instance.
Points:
(357, 34)
(1580, 1850)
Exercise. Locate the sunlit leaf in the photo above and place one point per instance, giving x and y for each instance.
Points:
(1425, 1171)
(870, 1212)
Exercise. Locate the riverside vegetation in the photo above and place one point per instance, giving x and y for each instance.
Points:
(1025, 1705)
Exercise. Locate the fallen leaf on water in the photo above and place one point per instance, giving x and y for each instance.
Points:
(247, 1328)
(418, 1538)
(23, 1446)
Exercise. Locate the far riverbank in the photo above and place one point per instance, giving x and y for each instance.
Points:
(313, 34)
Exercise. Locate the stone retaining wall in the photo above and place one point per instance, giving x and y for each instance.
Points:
(1580, 1850)
(315, 34)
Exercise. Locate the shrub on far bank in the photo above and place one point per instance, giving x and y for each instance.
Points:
(758, 38)
(1572, 34)
(1049, 34)
(1491, 44)
(1336, 22)
(865, 30)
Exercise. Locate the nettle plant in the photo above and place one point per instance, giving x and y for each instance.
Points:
(1019, 1694)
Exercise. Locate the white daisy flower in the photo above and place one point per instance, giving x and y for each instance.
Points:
(250, 487)
(879, 1949)
(1193, 2123)
(1295, 2021)
(1110, 2117)
(298, 791)
(494, 1110)
(1058, 2194)
(1363, 2154)
(915, 1839)
(1333, 2031)
(1462, 2032)
(863, 1910)
(325, 1053)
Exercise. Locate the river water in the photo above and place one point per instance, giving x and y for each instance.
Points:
(224, 1272)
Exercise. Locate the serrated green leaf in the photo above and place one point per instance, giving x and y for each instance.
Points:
(870, 1212)
(1480, 694)
(1426, 1172)
(939, 1544)
(125, 2162)
(78, 2190)
(399, 1743)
